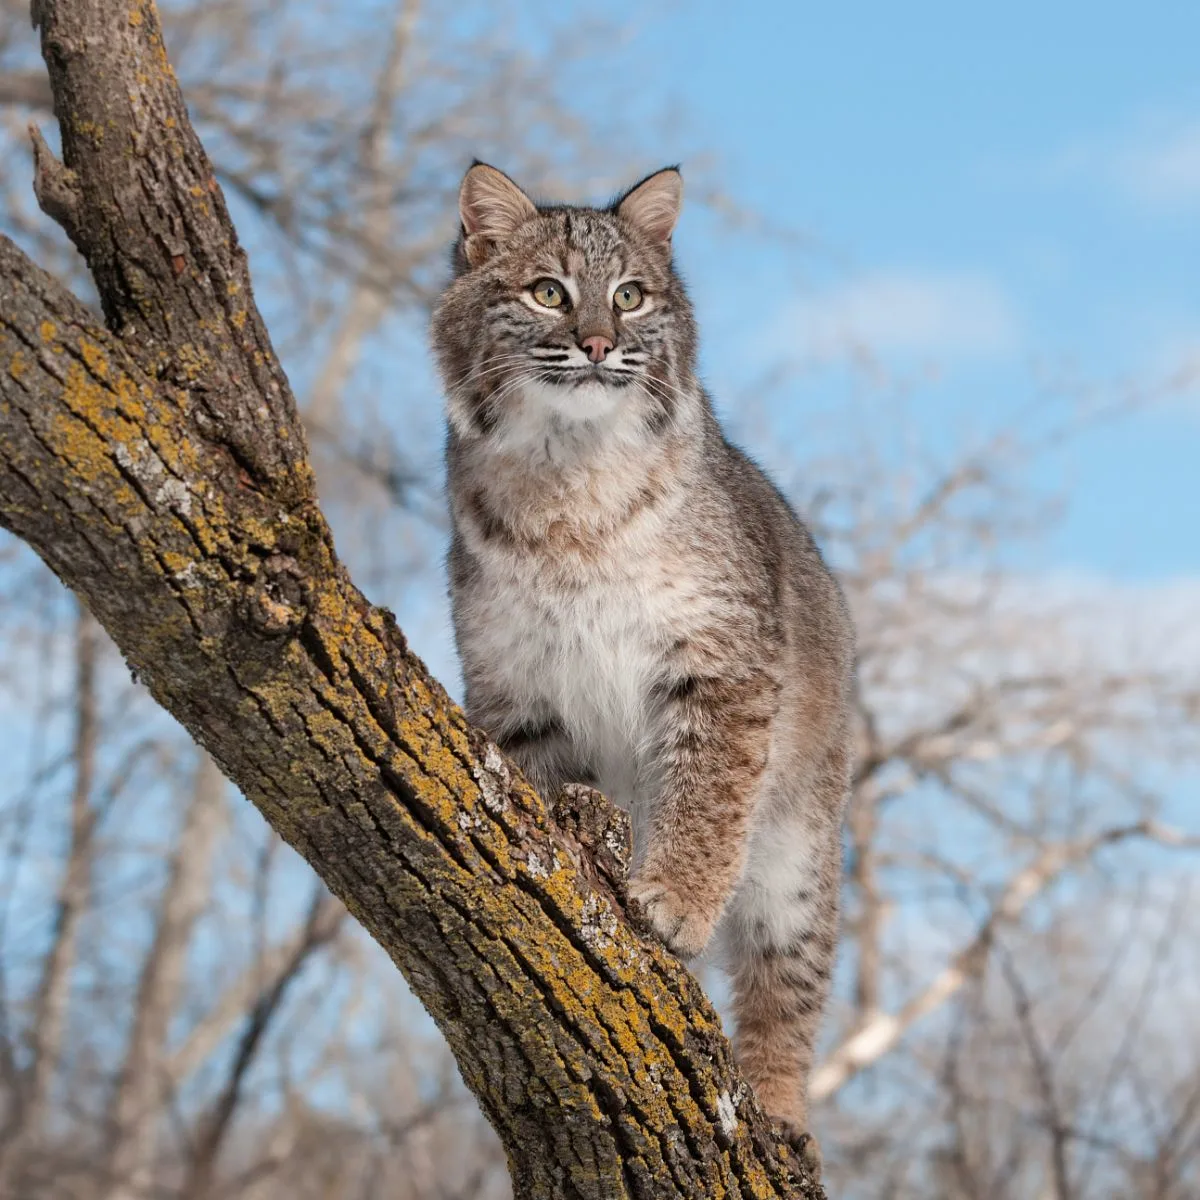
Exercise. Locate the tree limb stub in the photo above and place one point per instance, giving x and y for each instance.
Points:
(158, 466)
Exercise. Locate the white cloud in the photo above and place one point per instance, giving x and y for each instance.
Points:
(910, 314)
(1170, 171)
(1118, 624)
(1079, 621)
(1156, 163)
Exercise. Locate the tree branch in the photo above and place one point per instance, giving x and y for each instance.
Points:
(883, 1033)
(319, 928)
(50, 1018)
(159, 468)
(138, 1095)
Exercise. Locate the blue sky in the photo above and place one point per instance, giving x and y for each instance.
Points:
(1001, 195)
(1003, 206)
(987, 197)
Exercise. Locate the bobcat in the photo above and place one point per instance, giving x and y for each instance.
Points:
(635, 604)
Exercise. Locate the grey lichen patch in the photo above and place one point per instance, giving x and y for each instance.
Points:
(139, 460)
(188, 577)
(493, 780)
(599, 922)
(468, 821)
(727, 1114)
(174, 494)
(727, 1109)
(493, 760)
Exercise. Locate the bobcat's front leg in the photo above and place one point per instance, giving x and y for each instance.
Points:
(714, 733)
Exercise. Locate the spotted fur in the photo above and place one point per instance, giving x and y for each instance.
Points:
(637, 607)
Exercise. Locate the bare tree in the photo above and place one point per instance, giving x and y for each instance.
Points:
(1003, 824)
(594, 1055)
(987, 805)
(141, 1091)
(32, 1095)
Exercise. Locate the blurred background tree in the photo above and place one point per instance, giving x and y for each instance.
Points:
(183, 1010)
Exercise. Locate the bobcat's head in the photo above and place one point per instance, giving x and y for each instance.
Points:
(562, 317)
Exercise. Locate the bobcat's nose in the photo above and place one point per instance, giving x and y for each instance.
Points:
(597, 347)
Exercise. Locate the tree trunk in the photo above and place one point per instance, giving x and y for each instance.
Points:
(159, 468)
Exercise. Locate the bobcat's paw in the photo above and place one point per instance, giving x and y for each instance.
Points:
(805, 1145)
(683, 927)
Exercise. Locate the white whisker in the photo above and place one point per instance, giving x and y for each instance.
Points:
(489, 367)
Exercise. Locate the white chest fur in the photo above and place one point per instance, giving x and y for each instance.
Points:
(589, 655)
(576, 618)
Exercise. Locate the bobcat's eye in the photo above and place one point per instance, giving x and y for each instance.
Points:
(628, 297)
(548, 293)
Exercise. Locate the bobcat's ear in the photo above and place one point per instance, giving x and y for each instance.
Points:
(653, 205)
(491, 205)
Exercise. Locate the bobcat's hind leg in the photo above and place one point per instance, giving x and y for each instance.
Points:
(780, 940)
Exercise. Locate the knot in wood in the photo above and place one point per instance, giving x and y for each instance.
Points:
(276, 600)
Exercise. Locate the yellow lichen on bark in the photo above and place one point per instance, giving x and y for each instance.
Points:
(442, 812)
(200, 548)
(94, 358)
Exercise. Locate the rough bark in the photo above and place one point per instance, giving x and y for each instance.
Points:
(158, 467)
